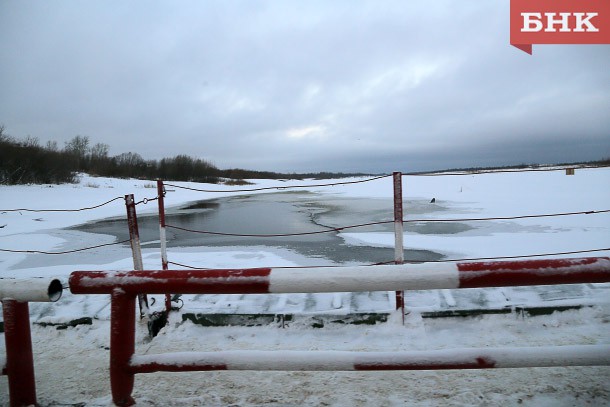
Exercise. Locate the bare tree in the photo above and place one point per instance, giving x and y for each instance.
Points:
(31, 142)
(3, 135)
(52, 146)
(78, 147)
(99, 151)
(98, 159)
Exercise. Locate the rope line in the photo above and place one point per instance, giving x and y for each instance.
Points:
(64, 252)
(143, 201)
(422, 261)
(474, 172)
(62, 210)
(507, 217)
(146, 200)
(517, 257)
(276, 234)
(281, 267)
(185, 266)
(280, 187)
(339, 229)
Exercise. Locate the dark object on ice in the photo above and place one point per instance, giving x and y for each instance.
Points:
(433, 200)
(284, 320)
(157, 321)
(66, 325)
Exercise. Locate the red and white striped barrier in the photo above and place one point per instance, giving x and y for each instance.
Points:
(472, 358)
(346, 279)
(125, 286)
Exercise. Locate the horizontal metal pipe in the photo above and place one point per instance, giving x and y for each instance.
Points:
(346, 279)
(476, 358)
(30, 289)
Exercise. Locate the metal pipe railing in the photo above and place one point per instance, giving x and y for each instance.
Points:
(125, 286)
(30, 289)
(15, 295)
(469, 358)
(345, 279)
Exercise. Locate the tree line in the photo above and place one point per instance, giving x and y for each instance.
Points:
(27, 161)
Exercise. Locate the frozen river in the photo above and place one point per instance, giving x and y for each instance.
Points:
(283, 213)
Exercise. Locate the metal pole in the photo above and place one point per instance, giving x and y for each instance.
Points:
(346, 279)
(19, 359)
(36, 289)
(398, 235)
(466, 358)
(136, 251)
(122, 346)
(163, 238)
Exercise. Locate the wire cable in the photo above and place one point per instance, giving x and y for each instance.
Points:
(341, 228)
(62, 210)
(507, 217)
(280, 187)
(474, 172)
(510, 257)
(186, 266)
(422, 261)
(272, 267)
(146, 200)
(64, 252)
(276, 234)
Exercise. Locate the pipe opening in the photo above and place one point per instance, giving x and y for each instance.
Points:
(55, 290)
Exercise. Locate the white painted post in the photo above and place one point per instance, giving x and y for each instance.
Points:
(398, 235)
(163, 238)
(136, 250)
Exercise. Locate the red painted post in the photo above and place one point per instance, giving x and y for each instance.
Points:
(163, 238)
(122, 346)
(19, 359)
(398, 235)
(136, 251)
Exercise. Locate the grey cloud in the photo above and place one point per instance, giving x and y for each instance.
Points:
(303, 86)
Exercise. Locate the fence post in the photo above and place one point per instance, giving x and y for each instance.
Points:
(136, 251)
(122, 346)
(398, 234)
(163, 238)
(19, 359)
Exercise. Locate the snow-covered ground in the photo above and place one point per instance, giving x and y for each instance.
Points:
(72, 364)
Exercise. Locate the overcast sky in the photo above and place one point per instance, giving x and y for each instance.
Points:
(371, 86)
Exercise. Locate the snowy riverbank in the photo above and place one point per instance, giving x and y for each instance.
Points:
(71, 365)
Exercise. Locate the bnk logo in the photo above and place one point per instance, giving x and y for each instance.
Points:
(532, 22)
(559, 22)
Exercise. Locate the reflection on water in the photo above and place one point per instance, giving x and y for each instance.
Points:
(202, 205)
(284, 213)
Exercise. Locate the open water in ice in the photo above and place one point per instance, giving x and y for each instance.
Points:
(284, 213)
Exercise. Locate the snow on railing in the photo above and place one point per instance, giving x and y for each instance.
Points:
(468, 358)
(125, 286)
